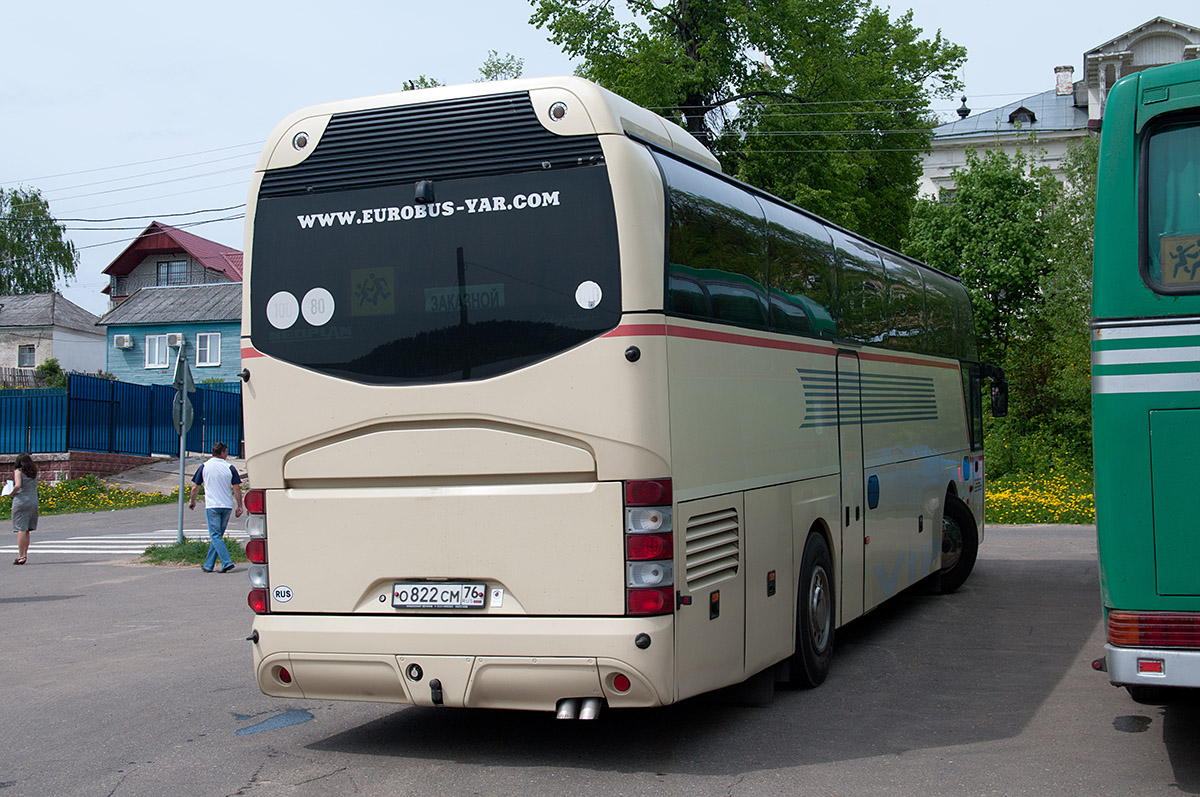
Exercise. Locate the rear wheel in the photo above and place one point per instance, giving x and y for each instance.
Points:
(815, 616)
(960, 545)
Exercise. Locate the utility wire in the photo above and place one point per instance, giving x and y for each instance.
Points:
(176, 226)
(134, 163)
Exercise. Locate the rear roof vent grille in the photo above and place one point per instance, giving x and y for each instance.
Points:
(712, 553)
(472, 137)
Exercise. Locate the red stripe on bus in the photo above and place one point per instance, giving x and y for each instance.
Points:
(249, 351)
(691, 333)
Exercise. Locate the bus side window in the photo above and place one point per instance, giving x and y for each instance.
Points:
(861, 303)
(948, 318)
(906, 305)
(973, 396)
(686, 294)
(800, 256)
(717, 233)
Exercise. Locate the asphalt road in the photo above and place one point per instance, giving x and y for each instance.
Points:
(125, 679)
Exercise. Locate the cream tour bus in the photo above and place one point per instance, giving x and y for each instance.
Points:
(546, 413)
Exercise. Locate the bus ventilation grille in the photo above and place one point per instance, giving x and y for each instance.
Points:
(711, 544)
(454, 139)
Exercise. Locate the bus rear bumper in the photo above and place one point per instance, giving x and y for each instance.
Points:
(527, 663)
(1178, 667)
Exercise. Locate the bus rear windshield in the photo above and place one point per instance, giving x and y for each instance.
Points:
(486, 276)
(1171, 208)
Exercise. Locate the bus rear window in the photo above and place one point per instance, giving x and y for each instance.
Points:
(491, 274)
(1171, 208)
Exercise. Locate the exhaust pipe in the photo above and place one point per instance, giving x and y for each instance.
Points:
(568, 708)
(591, 708)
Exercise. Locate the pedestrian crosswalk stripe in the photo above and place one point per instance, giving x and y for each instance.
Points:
(133, 544)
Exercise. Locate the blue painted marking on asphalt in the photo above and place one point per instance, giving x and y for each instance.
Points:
(292, 717)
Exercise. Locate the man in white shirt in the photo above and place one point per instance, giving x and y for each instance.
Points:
(222, 487)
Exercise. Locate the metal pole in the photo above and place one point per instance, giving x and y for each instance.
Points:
(182, 397)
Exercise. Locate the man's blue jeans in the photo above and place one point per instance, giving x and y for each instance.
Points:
(218, 519)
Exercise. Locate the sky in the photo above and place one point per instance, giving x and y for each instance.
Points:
(137, 111)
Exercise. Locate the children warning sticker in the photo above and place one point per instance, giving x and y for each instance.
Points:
(372, 291)
(1180, 259)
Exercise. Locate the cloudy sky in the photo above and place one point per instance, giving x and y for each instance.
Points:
(135, 111)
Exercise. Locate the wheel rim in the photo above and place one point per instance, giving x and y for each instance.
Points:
(952, 543)
(820, 609)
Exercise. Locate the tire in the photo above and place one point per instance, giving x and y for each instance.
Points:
(960, 545)
(816, 615)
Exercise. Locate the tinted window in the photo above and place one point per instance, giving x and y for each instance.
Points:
(948, 318)
(861, 304)
(905, 303)
(1171, 204)
(715, 241)
(496, 273)
(800, 258)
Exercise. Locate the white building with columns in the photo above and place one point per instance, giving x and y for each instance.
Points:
(1047, 124)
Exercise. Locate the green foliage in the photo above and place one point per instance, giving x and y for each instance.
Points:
(85, 494)
(822, 102)
(994, 234)
(190, 552)
(34, 250)
(422, 82)
(1060, 496)
(52, 373)
(500, 67)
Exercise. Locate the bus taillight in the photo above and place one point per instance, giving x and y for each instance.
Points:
(255, 502)
(649, 548)
(256, 551)
(1154, 629)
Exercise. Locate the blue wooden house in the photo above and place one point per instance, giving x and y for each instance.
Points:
(171, 288)
(146, 330)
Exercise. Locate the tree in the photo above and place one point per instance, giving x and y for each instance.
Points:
(994, 234)
(822, 102)
(34, 251)
(1022, 243)
(500, 67)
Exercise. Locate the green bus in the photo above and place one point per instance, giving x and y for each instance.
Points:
(1146, 380)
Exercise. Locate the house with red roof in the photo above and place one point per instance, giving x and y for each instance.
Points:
(172, 289)
(164, 255)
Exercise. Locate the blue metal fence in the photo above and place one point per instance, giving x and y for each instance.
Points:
(96, 414)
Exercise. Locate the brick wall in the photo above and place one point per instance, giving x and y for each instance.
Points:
(74, 464)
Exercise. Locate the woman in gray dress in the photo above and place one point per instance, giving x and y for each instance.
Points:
(24, 504)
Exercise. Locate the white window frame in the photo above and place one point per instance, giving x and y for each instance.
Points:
(31, 350)
(156, 346)
(208, 349)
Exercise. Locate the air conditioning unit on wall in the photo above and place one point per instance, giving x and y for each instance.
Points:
(123, 341)
(174, 340)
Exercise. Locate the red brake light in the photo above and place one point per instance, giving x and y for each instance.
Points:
(643, 602)
(258, 601)
(256, 551)
(1154, 629)
(651, 492)
(255, 502)
(643, 547)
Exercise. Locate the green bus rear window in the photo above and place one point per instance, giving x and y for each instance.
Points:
(1171, 207)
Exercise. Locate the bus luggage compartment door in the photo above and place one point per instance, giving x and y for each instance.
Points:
(1174, 436)
(710, 631)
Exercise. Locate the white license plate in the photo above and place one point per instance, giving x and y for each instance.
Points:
(438, 595)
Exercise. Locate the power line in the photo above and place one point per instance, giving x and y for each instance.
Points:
(134, 163)
(158, 171)
(176, 226)
(131, 218)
